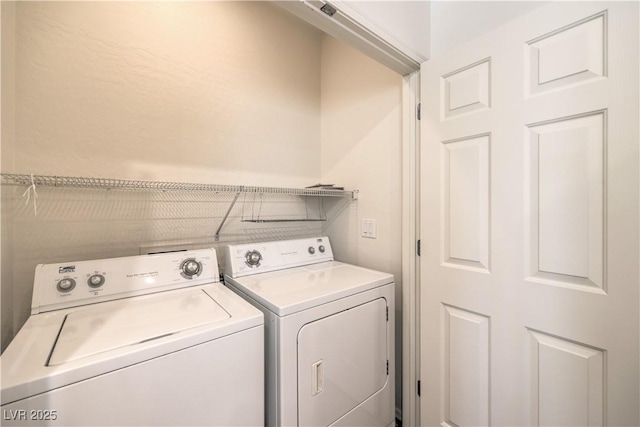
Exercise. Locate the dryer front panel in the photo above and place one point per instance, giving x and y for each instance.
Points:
(342, 361)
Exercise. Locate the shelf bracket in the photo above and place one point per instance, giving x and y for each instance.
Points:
(235, 199)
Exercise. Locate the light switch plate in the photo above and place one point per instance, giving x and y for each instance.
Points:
(369, 228)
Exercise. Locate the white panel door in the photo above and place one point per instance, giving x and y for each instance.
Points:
(530, 219)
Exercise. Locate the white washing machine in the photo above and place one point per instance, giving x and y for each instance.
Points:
(329, 333)
(144, 340)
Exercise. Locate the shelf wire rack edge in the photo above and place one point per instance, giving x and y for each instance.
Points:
(126, 184)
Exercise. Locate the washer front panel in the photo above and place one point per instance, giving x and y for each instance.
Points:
(218, 383)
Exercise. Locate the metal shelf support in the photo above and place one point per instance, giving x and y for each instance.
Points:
(235, 199)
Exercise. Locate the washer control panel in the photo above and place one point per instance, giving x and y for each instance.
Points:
(253, 258)
(77, 283)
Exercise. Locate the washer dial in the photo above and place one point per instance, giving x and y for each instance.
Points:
(253, 258)
(190, 267)
(66, 285)
(95, 281)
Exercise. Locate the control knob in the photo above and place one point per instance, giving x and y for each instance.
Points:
(95, 281)
(253, 258)
(190, 267)
(66, 285)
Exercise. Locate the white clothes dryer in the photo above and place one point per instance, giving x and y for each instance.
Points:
(329, 333)
(143, 340)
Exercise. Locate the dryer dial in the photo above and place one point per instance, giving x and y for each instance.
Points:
(190, 267)
(253, 258)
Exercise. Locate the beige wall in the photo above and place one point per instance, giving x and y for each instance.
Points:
(7, 111)
(361, 134)
(361, 148)
(224, 92)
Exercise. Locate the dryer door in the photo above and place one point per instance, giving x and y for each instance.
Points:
(342, 361)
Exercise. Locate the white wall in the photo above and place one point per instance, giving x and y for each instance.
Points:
(361, 148)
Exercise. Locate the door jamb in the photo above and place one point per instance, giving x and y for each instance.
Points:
(410, 235)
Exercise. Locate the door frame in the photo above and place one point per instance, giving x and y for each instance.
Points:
(410, 261)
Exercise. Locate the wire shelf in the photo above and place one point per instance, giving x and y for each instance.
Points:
(126, 184)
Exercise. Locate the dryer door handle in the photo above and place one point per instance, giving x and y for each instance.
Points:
(317, 377)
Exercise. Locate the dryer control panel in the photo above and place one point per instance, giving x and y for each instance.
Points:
(253, 258)
(71, 284)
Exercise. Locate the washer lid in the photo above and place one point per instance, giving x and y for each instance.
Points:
(109, 326)
(288, 291)
(117, 334)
